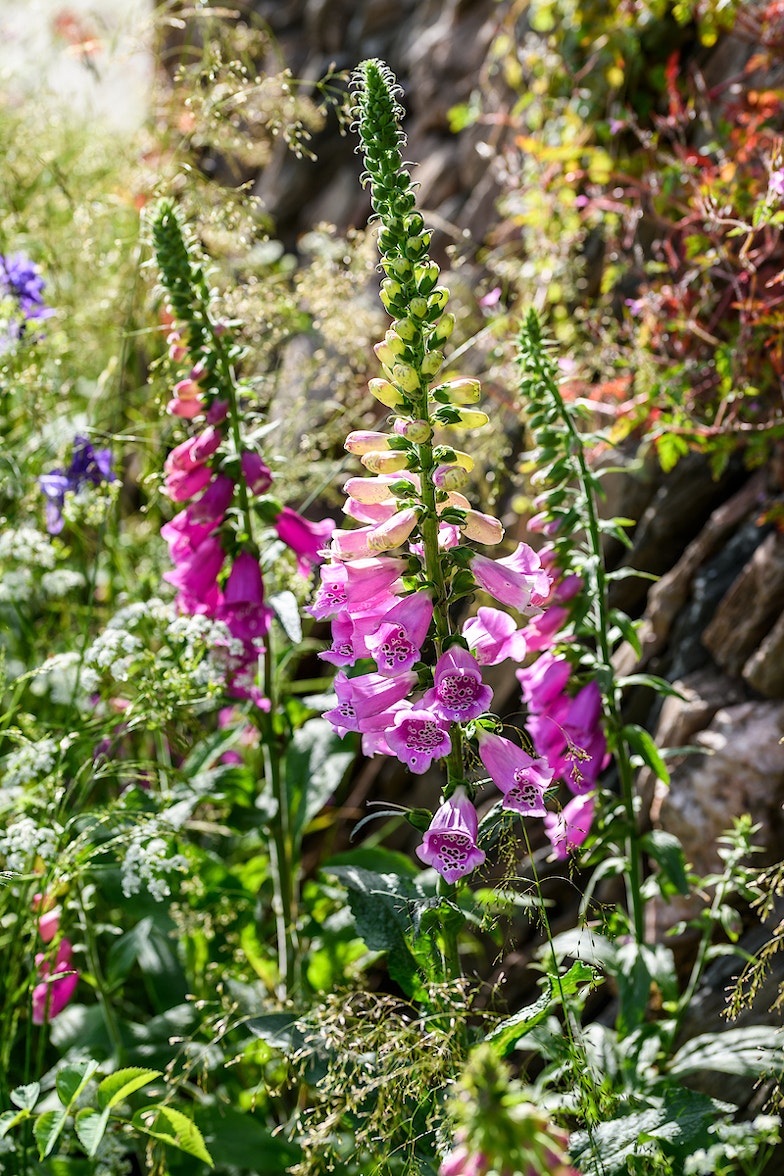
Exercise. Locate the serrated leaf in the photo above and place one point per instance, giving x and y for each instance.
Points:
(46, 1130)
(25, 1097)
(380, 906)
(641, 742)
(505, 1036)
(72, 1078)
(90, 1127)
(316, 762)
(747, 1052)
(122, 1083)
(172, 1127)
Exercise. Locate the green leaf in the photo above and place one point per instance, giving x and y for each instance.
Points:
(90, 1126)
(747, 1053)
(380, 904)
(122, 1083)
(243, 1141)
(675, 1124)
(71, 1080)
(627, 628)
(9, 1119)
(667, 851)
(47, 1129)
(505, 1036)
(25, 1097)
(660, 685)
(174, 1128)
(316, 762)
(285, 607)
(641, 742)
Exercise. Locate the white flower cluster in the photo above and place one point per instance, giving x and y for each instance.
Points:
(25, 840)
(29, 762)
(113, 650)
(17, 585)
(112, 1158)
(61, 581)
(147, 865)
(28, 546)
(57, 677)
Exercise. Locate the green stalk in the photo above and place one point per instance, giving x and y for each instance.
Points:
(599, 603)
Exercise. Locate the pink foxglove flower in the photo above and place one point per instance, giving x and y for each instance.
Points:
(196, 576)
(417, 737)
(257, 474)
(541, 630)
(568, 829)
(522, 779)
(214, 502)
(57, 985)
(518, 580)
(544, 681)
(363, 701)
(493, 636)
(458, 693)
(449, 845)
(242, 607)
(396, 643)
(307, 540)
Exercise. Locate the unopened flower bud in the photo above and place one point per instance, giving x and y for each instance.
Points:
(445, 453)
(185, 409)
(385, 354)
(449, 477)
(482, 528)
(380, 462)
(390, 291)
(426, 277)
(199, 370)
(364, 441)
(394, 342)
(418, 308)
(460, 418)
(406, 376)
(462, 390)
(375, 490)
(393, 532)
(387, 393)
(432, 362)
(438, 299)
(187, 389)
(401, 267)
(416, 431)
(406, 329)
(442, 330)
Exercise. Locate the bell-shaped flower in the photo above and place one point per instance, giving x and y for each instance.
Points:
(242, 607)
(57, 985)
(363, 701)
(195, 575)
(458, 693)
(184, 484)
(518, 580)
(256, 472)
(394, 531)
(417, 737)
(306, 539)
(330, 596)
(541, 630)
(214, 502)
(396, 643)
(370, 512)
(193, 452)
(543, 681)
(450, 844)
(568, 829)
(493, 636)
(522, 779)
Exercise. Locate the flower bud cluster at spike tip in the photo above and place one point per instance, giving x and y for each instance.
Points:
(215, 476)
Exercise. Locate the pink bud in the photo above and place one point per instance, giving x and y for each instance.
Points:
(187, 409)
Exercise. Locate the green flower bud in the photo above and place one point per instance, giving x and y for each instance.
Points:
(406, 329)
(406, 376)
(418, 308)
(458, 391)
(432, 362)
(426, 277)
(387, 393)
(442, 331)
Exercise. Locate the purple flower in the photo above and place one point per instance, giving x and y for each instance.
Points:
(417, 737)
(776, 183)
(395, 645)
(522, 779)
(21, 281)
(518, 580)
(458, 693)
(305, 539)
(543, 681)
(450, 844)
(57, 985)
(88, 466)
(568, 829)
(363, 701)
(493, 636)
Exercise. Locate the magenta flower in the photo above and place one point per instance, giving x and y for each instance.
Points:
(195, 575)
(541, 630)
(493, 636)
(214, 502)
(184, 484)
(522, 779)
(57, 985)
(371, 583)
(449, 845)
(418, 737)
(307, 540)
(330, 597)
(458, 693)
(543, 681)
(242, 607)
(395, 645)
(363, 701)
(518, 580)
(568, 829)
(257, 474)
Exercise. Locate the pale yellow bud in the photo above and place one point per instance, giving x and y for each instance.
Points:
(380, 462)
(482, 528)
(387, 393)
